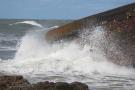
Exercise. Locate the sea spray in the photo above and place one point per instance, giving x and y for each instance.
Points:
(83, 61)
(36, 56)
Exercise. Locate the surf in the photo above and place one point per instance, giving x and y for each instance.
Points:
(34, 23)
(35, 56)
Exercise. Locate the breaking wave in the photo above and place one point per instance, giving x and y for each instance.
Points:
(36, 57)
(34, 23)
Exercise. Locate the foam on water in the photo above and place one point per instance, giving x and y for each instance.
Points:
(34, 56)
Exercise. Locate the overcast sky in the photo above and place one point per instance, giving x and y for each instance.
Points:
(56, 9)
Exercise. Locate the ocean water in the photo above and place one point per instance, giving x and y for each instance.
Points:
(24, 51)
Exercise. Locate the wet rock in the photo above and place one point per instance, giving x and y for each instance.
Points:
(79, 86)
(3, 85)
(11, 81)
(42, 86)
(63, 86)
(58, 86)
(19, 83)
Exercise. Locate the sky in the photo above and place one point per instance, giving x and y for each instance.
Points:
(56, 9)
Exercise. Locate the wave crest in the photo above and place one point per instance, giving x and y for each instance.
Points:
(34, 23)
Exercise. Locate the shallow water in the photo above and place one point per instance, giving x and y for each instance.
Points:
(24, 51)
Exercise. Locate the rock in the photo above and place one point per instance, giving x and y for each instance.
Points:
(63, 86)
(79, 86)
(11, 81)
(42, 86)
(3, 85)
(19, 83)
(58, 86)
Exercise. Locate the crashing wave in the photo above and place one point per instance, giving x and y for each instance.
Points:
(34, 23)
(35, 56)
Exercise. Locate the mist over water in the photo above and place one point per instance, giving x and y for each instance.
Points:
(37, 60)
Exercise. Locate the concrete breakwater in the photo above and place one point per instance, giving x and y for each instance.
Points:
(118, 28)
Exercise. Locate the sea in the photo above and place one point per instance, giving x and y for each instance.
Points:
(25, 51)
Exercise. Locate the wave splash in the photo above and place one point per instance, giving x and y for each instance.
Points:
(35, 57)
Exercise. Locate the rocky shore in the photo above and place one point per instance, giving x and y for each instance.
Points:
(19, 83)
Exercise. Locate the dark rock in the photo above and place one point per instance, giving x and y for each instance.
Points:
(3, 85)
(19, 83)
(43, 86)
(58, 86)
(63, 86)
(79, 86)
(11, 81)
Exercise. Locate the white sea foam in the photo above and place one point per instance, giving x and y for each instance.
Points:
(34, 23)
(35, 56)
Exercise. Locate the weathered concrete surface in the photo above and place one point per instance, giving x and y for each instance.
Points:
(119, 28)
(19, 83)
(126, 14)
